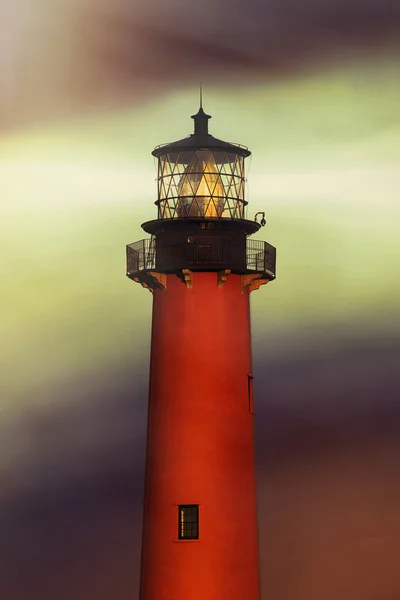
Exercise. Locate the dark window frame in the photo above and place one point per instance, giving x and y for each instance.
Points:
(188, 529)
(250, 391)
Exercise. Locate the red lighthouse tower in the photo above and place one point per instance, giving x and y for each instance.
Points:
(200, 539)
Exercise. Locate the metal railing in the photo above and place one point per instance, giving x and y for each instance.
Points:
(207, 253)
(141, 256)
(260, 256)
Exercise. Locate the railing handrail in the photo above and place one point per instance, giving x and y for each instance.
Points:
(260, 255)
(241, 146)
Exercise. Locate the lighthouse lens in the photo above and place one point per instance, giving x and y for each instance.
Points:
(201, 191)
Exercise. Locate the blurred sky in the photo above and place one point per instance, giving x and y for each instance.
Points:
(88, 89)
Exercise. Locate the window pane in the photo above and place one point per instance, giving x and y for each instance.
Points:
(188, 527)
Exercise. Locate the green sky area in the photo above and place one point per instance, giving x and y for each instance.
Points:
(325, 168)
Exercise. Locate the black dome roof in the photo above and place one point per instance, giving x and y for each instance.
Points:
(200, 139)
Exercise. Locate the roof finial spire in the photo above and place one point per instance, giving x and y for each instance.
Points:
(201, 119)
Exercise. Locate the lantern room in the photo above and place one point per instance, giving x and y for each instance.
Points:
(201, 176)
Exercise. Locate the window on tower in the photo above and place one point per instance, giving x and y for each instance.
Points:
(188, 522)
(251, 393)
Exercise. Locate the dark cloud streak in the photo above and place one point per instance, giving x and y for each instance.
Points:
(116, 54)
(328, 427)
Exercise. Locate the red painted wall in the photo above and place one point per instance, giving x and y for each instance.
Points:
(200, 445)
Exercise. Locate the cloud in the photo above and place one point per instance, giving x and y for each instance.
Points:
(64, 58)
(327, 446)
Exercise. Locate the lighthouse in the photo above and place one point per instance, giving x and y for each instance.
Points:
(200, 263)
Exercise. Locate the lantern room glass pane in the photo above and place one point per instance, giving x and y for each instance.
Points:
(201, 183)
